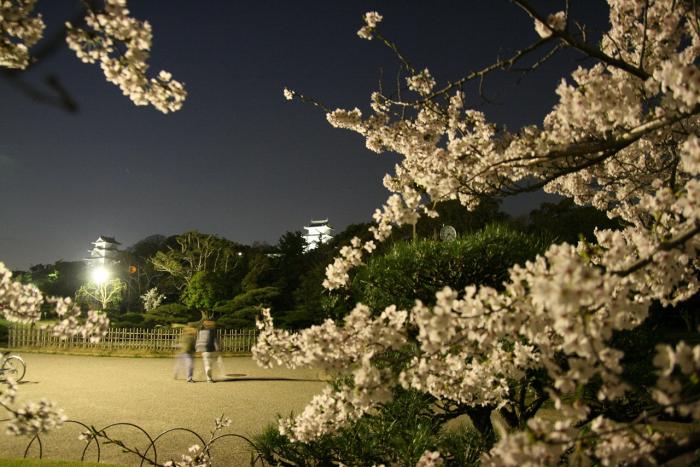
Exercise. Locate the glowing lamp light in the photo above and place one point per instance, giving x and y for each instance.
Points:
(99, 275)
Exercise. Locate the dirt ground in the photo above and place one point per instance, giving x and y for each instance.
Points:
(100, 391)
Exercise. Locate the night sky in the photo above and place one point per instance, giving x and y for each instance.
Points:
(238, 160)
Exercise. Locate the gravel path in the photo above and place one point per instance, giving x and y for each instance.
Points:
(103, 390)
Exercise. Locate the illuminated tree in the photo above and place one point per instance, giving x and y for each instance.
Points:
(197, 252)
(152, 299)
(105, 294)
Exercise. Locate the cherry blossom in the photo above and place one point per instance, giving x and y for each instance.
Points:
(372, 19)
(622, 137)
(555, 22)
(100, 43)
(18, 32)
(106, 34)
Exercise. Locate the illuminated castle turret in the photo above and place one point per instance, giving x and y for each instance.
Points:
(317, 232)
(103, 256)
(104, 253)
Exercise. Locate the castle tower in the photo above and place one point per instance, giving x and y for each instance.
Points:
(318, 232)
(105, 252)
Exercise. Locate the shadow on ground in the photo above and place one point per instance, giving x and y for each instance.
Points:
(233, 378)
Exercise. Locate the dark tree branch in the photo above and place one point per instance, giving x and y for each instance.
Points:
(594, 52)
(663, 246)
(674, 451)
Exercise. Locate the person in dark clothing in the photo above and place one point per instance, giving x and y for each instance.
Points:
(186, 356)
(208, 345)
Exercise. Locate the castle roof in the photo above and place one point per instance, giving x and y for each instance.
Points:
(105, 239)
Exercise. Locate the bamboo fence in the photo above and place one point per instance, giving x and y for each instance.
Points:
(129, 339)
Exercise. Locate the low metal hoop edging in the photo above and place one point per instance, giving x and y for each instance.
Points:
(171, 430)
(225, 435)
(92, 437)
(143, 457)
(41, 447)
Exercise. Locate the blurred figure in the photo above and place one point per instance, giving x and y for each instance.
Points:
(185, 359)
(208, 345)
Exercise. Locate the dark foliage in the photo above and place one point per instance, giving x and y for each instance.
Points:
(397, 434)
(243, 309)
(417, 270)
(566, 222)
(171, 313)
(130, 319)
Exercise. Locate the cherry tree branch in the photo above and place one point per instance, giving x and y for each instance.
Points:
(594, 52)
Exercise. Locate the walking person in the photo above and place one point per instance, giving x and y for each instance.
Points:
(186, 356)
(208, 345)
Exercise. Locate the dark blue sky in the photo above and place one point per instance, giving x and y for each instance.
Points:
(238, 160)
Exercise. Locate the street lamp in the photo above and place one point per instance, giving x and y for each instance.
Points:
(99, 275)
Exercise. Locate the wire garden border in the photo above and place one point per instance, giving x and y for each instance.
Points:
(100, 437)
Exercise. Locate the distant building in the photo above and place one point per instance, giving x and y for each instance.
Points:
(105, 252)
(317, 232)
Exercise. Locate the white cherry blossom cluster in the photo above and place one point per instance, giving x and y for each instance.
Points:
(616, 445)
(20, 303)
(555, 22)
(542, 443)
(34, 418)
(690, 155)
(664, 26)
(195, 457)
(331, 409)
(422, 83)
(93, 328)
(8, 390)
(68, 314)
(108, 32)
(678, 367)
(31, 418)
(152, 299)
(623, 137)
(430, 459)
(682, 81)
(400, 210)
(337, 272)
(349, 348)
(372, 19)
(18, 31)
(328, 345)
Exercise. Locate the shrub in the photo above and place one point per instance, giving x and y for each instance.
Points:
(4, 332)
(242, 310)
(397, 434)
(230, 322)
(130, 319)
(298, 319)
(416, 270)
(401, 430)
(171, 313)
(263, 296)
(243, 318)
